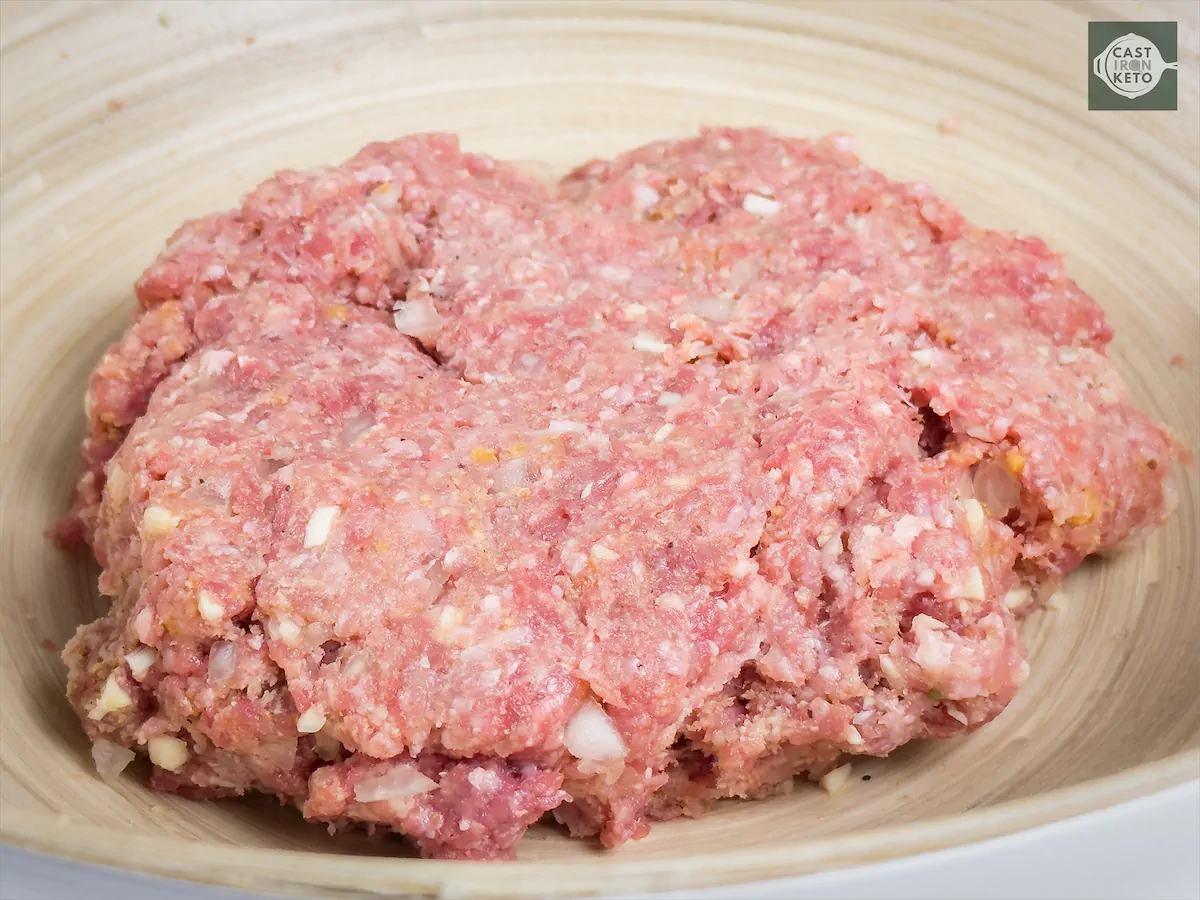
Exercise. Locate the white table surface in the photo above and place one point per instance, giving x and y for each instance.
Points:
(1148, 848)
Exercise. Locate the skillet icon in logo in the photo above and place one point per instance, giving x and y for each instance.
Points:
(1131, 65)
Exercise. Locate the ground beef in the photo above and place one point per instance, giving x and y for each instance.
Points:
(434, 498)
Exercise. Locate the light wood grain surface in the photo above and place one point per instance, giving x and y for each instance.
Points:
(118, 120)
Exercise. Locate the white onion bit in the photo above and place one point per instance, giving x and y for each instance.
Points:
(591, 734)
(110, 759)
(397, 783)
(996, 488)
(419, 318)
(715, 309)
(222, 660)
(513, 474)
(140, 662)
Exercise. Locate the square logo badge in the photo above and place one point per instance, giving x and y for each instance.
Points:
(1133, 65)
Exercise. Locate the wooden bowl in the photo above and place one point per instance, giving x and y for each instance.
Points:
(120, 120)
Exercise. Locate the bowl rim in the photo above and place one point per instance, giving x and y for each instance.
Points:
(295, 872)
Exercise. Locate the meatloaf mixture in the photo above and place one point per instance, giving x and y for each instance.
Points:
(434, 498)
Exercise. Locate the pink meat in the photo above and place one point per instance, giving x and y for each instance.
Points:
(729, 459)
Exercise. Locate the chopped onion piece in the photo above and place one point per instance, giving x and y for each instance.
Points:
(357, 427)
(110, 759)
(1017, 597)
(316, 532)
(513, 474)
(397, 783)
(140, 661)
(996, 488)
(592, 735)
(715, 309)
(419, 318)
(222, 660)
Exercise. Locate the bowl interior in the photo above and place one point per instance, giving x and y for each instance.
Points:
(121, 121)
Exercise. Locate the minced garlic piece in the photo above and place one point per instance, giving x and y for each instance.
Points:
(973, 586)
(649, 344)
(158, 520)
(167, 752)
(111, 699)
(210, 609)
(760, 205)
(836, 780)
(311, 720)
(976, 516)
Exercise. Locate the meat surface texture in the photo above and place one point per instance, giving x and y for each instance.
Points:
(434, 498)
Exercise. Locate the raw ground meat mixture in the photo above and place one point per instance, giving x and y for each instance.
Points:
(433, 498)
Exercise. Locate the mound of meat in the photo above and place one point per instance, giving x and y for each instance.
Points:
(431, 497)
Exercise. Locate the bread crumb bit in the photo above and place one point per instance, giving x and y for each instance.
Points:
(114, 105)
(949, 126)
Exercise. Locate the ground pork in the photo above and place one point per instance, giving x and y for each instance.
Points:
(433, 498)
